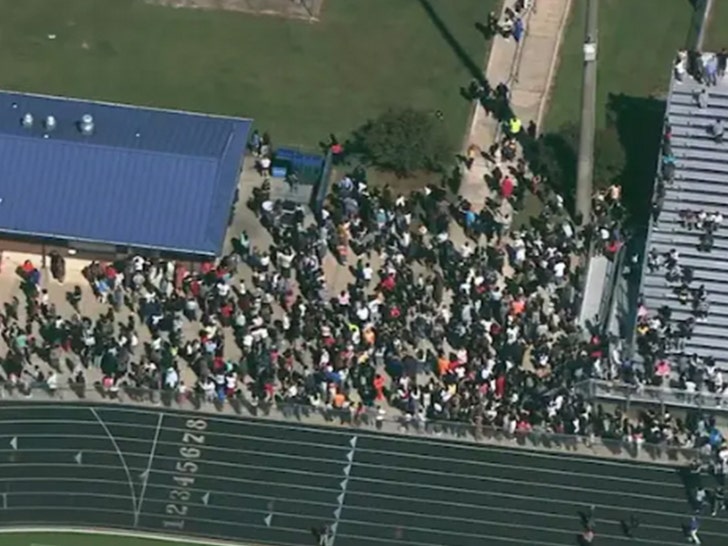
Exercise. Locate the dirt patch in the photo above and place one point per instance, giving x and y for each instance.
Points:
(294, 9)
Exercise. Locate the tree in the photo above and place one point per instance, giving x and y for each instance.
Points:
(404, 141)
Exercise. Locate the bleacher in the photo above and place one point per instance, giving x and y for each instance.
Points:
(700, 184)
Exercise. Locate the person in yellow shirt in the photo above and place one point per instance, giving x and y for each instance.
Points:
(514, 126)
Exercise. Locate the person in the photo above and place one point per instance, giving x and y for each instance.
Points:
(718, 501)
(722, 61)
(718, 131)
(322, 534)
(518, 29)
(472, 154)
(514, 126)
(711, 71)
(693, 527)
(588, 518)
(703, 99)
(631, 525)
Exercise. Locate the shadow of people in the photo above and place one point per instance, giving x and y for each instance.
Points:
(629, 526)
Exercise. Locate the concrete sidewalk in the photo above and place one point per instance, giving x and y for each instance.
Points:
(528, 69)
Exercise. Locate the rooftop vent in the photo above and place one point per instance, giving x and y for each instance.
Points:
(27, 121)
(87, 124)
(50, 123)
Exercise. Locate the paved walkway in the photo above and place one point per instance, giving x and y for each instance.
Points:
(528, 68)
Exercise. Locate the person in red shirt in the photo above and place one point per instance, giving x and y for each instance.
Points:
(500, 386)
(388, 283)
(506, 187)
(379, 386)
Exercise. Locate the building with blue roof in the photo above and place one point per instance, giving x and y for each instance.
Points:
(115, 178)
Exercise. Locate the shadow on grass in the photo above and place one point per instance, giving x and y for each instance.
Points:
(639, 123)
(553, 156)
(475, 69)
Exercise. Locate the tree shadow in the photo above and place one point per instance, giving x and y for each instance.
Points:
(639, 122)
(475, 70)
(553, 156)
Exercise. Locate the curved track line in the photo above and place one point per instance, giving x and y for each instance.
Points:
(123, 462)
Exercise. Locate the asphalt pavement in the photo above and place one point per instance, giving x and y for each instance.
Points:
(249, 481)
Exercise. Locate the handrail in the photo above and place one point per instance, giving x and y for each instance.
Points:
(607, 312)
(372, 419)
(631, 327)
(652, 395)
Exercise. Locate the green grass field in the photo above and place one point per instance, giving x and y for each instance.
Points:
(716, 36)
(84, 539)
(298, 80)
(637, 42)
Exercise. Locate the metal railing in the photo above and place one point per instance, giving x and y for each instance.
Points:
(645, 394)
(322, 186)
(614, 272)
(371, 419)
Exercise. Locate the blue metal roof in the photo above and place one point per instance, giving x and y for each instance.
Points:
(144, 178)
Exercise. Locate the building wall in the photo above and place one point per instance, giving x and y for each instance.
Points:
(37, 249)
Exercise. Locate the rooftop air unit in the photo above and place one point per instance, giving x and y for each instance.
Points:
(27, 121)
(50, 123)
(87, 124)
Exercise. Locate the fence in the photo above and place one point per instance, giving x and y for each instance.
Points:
(322, 186)
(664, 396)
(372, 419)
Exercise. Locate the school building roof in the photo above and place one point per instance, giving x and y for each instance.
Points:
(120, 175)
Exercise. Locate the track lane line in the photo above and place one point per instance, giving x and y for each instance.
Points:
(283, 455)
(148, 469)
(346, 431)
(121, 458)
(296, 472)
(483, 449)
(514, 496)
(370, 508)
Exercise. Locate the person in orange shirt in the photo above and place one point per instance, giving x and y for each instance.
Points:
(339, 400)
(443, 365)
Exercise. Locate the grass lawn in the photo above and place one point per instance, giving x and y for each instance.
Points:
(84, 539)
(298, 80)
(637, 42)
(716, 36)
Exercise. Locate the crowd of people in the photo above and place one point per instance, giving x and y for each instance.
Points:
(475, 323)
(450, 311)
(661, 338)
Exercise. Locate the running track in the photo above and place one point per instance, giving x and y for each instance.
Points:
(269, 483)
